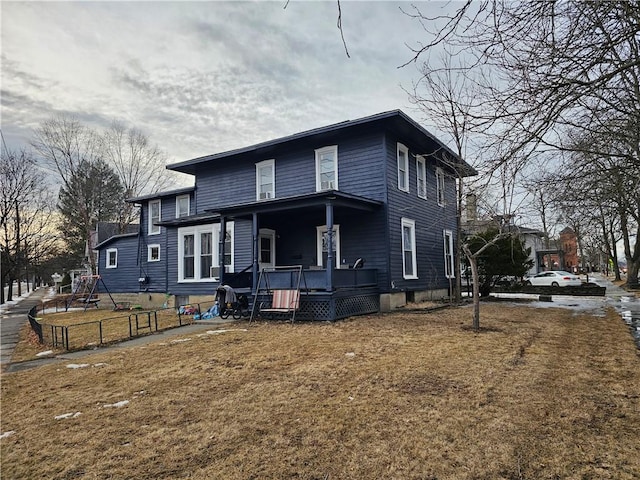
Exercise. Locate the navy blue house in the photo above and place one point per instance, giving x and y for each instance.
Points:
(380, 188)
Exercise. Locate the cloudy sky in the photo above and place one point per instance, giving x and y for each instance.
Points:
(205, 77)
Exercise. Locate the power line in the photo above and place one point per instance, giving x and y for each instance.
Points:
(4, 144)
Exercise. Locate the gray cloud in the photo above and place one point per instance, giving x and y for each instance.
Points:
(200, 77)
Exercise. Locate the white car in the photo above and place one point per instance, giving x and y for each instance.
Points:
(554, 278)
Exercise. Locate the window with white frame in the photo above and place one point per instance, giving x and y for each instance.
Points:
(403, 168)
(448, 254)
(154, 217)
(198, 252)
(182, 206)
(440, 186)
(327, 168)
(153, 253)
(111, 258)
(265, 180)
(409, 266)
(421, 174)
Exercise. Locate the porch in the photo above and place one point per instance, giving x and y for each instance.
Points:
(355, 291)
(307, 233)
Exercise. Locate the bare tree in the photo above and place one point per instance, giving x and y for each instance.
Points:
(565, 70)
(26, 206)
(139, 165)
(64, 143)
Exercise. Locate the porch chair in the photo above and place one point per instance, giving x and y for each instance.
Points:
(283, 303)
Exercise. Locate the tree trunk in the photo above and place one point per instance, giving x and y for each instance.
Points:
(473, 262)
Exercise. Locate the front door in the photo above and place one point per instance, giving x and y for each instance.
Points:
(267, 248)
(323, 245)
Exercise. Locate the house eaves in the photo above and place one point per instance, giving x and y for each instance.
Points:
(394, 120)
(168, 193)
(113, 239)
(311, 200)
(197, 219)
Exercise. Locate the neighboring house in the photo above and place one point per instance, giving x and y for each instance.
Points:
(380, 188)
(569, 246)
(532, 238)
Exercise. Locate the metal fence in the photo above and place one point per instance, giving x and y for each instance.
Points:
(121, 326)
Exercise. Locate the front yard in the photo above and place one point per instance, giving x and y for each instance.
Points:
(538, 394)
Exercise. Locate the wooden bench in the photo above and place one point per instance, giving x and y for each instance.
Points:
(283, 302)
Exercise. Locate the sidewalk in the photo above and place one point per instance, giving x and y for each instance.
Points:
(12, 318)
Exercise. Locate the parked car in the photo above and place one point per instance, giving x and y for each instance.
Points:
(554, 278)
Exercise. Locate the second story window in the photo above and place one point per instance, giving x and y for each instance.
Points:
(265, 180)
(154, 217)
(403, 168)
(421, 173)
(440, 186)
(182, 206)
(327, 168)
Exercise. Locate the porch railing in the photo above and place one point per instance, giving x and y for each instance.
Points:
(317, 279)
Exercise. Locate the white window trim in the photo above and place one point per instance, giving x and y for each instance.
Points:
(405, 175)
(440, 187)
(448, 238)
(149, 249)
(259, 166)
(319, 232)
(271, 234)
(178, 205)
(319, 152)
(213, 228)
(151, 228)
(420, 160)
(109, 251)
(406, 222)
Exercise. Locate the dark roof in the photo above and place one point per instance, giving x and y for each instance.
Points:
(532, 231)
(107, 230)
(114, 238)
(395, 120)
(168, 193)
(316, 199)
(190, 220)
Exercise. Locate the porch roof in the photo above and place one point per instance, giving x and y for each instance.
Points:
(311, 200)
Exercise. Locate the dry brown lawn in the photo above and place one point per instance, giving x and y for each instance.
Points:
(538, 394)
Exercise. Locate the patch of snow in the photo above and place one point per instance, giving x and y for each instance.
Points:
(351, 398)
(77, 365)
(117, 404)
(7, 434)
(350, 354)
(216, 332)
(181, 340)
(44, 354)
(101, 364)
(67, 415)
(141, 392)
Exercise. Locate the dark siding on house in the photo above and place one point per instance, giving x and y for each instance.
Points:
(123, 278)
(430, 221)
(360, 159)
(242, 259)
